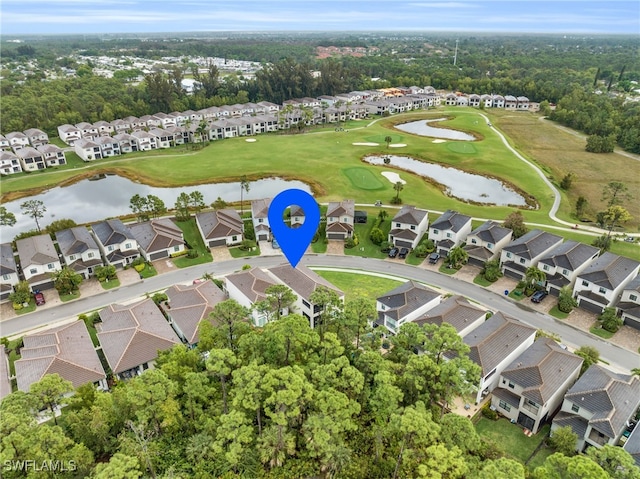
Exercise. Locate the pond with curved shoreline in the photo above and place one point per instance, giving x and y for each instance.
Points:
(108, 196)
(457, 183)
(422, 128)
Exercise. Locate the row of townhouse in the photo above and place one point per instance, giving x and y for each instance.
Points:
(31, 159)
(17, 140)
(130, 336)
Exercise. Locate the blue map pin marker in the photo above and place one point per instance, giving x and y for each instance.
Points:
(294, 241)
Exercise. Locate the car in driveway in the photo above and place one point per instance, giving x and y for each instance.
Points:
(538, 296)
(39, 297)
(434, 258)
(393, 252)
(403, 253)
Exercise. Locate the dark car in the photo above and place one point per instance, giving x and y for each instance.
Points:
(538, 296)
(393, 252)
(403, 253)
(434, 258)
(39, 297)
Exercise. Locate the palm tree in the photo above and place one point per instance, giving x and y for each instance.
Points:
(382, 215)
(398, 187)
(387, 140)
(244, 186)
(534, 276)
(458, 257)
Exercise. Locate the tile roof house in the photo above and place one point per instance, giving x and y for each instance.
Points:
(526, 251)
(632, 445)
(131, 336)
(187, 305)
(404, 304)
(494, 345)
(340, 219)
(69, 134)
(108, 146)
(146, 141)
(126, 142)
(456, 311)
(260, 218)
(598, 407)
(449, 230)
(5, 381)
(158, 238)
(38, 259)
(17, 140)
(220, 227)
(9, 163)
(563, 263)
(30, 159)
(599, 285)
(8, 271)
(629, 305)
(53, 155)
(407, 227)
(486, 241)
(297, 216)
(532, 387)
(87, 149)
(116, 242)
(248, 287)
(79, 250)
(4, 143)
(303, 282)
(66, 350)
(36, 137)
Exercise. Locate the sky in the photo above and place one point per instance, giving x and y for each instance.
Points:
(144, 16)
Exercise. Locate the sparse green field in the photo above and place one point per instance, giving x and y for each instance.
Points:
(510, 438)
(363, 178)
(355, 284)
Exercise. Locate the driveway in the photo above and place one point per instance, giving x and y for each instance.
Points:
(336, 247)
(220, 253)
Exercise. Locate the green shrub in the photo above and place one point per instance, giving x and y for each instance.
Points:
(137, 262)
(181, 253)
(377, 236)
(139, 267)
(192, 254)
(489, 413)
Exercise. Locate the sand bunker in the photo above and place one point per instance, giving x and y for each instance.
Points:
(393, 177)
(439, 141)
(397, 145)
(364, 144)
(250, 140)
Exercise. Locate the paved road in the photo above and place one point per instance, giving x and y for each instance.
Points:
(573, 337)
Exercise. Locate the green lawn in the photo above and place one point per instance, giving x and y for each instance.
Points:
(110, 284)
(363, 179)
(148, 271)
(354, 284)
(446, 270)
(319, 247)
(510, 437)
(556, 313)
(236, 252)
(539, 457)
(480, 280)
(68, 297)
(366, 248)
(28, 309)
(602, 333)
(194, 240)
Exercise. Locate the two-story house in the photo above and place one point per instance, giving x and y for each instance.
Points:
(53, 155)
(249, 287)
(79, 250)
(599, 284)
(109, 146)
(220, 228)
(17, 140)
(599, 406)
(87, 149)
(485, 242)
(407, 227)
(30, 159)
(158, 238)
(116, 242)
(449, 230)
(8, 271)
(629, 305)
(296, 216)
(532, 387)
(564, 262)
(526, 251)
(65, 350)
(404, 304)
(36, 137)
(38, 259)
(9, 163)
(164, 138)
(69, 134)
(188, 305)
(126, 142)
(456, 311)
(146, 141)
(131, 336)
(340, 219)
(260, 218)
(303, 282)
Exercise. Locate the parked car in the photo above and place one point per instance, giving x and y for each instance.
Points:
(538, 296)
(39, 297)
(393, 252)
(630, 239)
(434, 258)
(403, 252)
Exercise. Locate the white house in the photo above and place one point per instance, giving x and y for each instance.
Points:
(456, 311)
(449, 230)
(17, 140)
(340, 217)
(247, 288)
(526, 251)
(87, 149)
(36, 137)
(69, 134)
(39, 259)
(629, 305)
(8, 271)
(220, 227)
(260, 218)
(108, 146)
(164, 138)
(126, 142)
(116, 242)
(486, 242)
(53, 155)
(404, 304)
(9, 163)
(564, 262)
(407, 227)
(146, 141)
(30, 159)
(79, 250)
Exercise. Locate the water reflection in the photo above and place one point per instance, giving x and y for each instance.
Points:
(457, 183)
(93, 200)
(422, 128)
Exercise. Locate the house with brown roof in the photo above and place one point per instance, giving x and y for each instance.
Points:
(220, 227)
(564, 262)
(494, 345)
(458, 312)
(260, 218)
(131, 336)
(486, 241)
(38, 259)
(340, 219)
(407, 227)
(158, 238)
(5, 376)
(404, 304)
(79, 249)
(247, 288)
(526, 251)
(449, 230)
(296, 215)
(65, 350)
(9, 163)
(8, 271)
(53, 155)
(600, 284)
(599, 406)
(36, 137)
(30, 159)
(116, 242)
(87, 130)
(629, 305)
(188, 305)
(532, 387)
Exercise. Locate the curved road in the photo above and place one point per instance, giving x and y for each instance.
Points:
(615, 355)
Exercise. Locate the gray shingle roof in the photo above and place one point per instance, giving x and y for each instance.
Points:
(7, 260)
(577, 423)
(406, 298)
(455, 310)
(410, 215)
(112, 232)
(491, 232)
(5, 383)
(532, 244)
(260, 208)
(569, 255)
(157, 235)
(451, 221)
(75, 240)
(609, 270)
(301, 280)
(634, 285)
(220, 223)
(36, 250)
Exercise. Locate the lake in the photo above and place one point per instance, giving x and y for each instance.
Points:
(459, 184)
(93, 200)
(422, 128)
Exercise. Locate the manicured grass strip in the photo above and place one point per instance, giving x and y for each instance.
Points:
(354, 284)
(446, 270)
(510, 437)
(480, 280)
(194, 240)
(110, 284)
(463, 147)
(366, 248)
(68, 297)
(412, 259)
(363, 179)
(236, 252)
(319, 247)
(28, 309)
(148, 271)
(556, 313)
(602, 333)
(517, 294)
